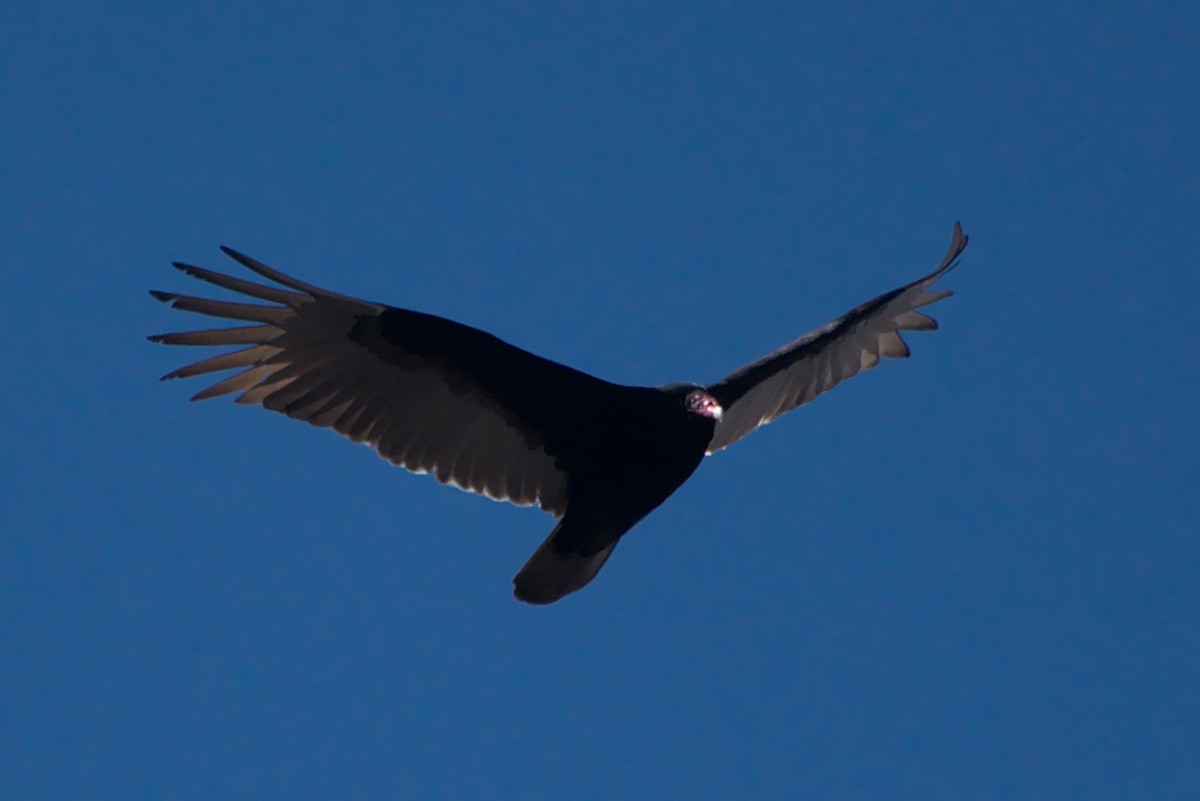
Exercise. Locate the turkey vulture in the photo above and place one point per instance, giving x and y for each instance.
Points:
(436, 396)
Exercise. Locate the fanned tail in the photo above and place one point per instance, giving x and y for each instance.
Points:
(566, 561)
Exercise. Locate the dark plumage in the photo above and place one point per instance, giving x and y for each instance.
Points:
(435, 396)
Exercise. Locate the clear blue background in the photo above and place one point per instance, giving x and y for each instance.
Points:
(971, 575)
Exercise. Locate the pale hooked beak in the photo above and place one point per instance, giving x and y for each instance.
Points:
(709, 407)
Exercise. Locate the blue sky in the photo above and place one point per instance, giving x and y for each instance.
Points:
(971, 575)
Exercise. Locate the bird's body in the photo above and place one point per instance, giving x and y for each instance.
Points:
(644, 446)
(437, 396)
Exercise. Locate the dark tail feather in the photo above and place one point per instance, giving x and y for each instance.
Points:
(565, 562)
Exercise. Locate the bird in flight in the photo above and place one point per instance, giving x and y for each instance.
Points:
(436, 396)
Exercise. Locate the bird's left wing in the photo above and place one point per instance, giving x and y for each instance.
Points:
(429, 394)
(799, 371)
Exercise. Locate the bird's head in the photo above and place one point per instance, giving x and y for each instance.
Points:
(697, 401)
(702, 403)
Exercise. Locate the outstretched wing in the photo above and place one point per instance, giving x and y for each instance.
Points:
(818, 361)
(429, 394)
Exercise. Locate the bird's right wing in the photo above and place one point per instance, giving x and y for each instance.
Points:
(818, 361)
(429, 394)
